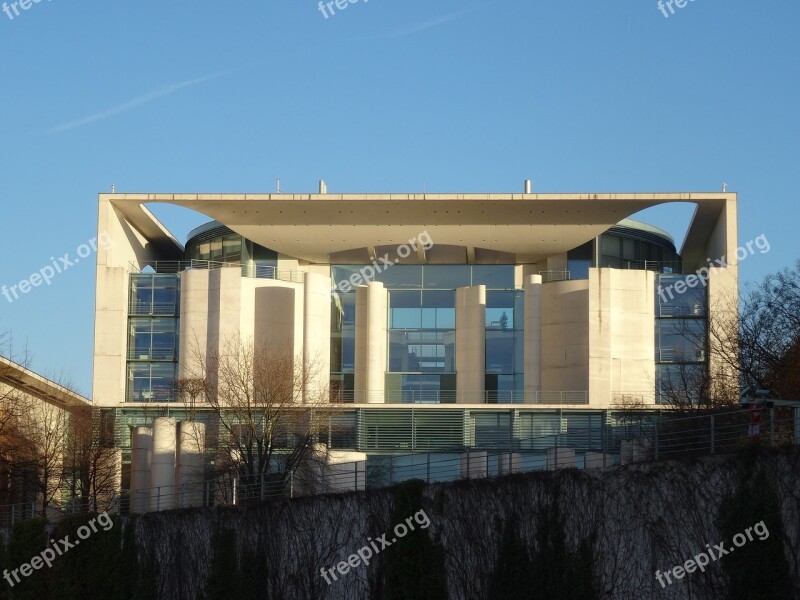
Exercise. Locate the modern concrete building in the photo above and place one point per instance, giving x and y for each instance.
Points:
(438, 321)
(36, 429)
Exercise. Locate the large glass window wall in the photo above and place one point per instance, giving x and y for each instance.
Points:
(153, 330)
(421, 336)
(681, 352)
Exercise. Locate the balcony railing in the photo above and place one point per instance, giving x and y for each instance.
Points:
(156, 309)
(659, 266)
(153, 354)
(566, 398)
(252, 271)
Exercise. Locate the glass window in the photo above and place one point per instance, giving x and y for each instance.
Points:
(153, 339)
(205, 251)
(676, 384)
(151, 382)
(416, 388)
(492, 430)
(680, 340)
(500, 309)
(154, 294)
(675, 298)
(446, 277)
(349, 350)
(609, 245)
(400, 277)
(628, 249)
(232, 248)
(497, 277)
(500, 352)
(421, 351)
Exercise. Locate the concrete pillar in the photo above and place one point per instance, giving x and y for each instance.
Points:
(560, 458)
(317, 336)
(162, 473)
(533, 337)
(194, 322)
(372, 305)
(474, 465)
(141, 464)
(278, 321)
(471, 344)
(597, 460)
(190, 463)
(510, 463)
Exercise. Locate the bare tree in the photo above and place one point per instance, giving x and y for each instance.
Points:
(267, 411)
(91, 464)
(45, 428)
(769, 338)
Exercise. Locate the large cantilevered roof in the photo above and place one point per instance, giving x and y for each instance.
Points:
(312, 227)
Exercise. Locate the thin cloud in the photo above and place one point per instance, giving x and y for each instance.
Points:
(136, 102)
(432, 23)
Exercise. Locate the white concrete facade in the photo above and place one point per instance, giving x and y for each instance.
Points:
(594, 336)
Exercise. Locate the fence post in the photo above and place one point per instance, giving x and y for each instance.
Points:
(604, 434)
(355, 464)
(656, 438)
(555, 458)
(771, 426)
(291, 484)
(713, 432)
(235, 490)
(428, 470)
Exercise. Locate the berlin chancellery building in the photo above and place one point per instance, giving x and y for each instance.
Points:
(437, 323)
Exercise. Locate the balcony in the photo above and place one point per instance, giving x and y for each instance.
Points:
(558, 398)
(252, 271)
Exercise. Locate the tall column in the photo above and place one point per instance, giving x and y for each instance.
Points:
(372, 305)
(317, 335)
(533, 336)
(471, 344)
(194, 322)
(162, 473)
(141, 463)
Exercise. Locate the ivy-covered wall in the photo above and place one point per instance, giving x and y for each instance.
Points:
(567, 535)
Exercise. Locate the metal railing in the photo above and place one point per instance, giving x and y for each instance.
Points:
(560, 398)
(555, 275)
(636, 438)
(153, 354)
(659, 266)
(250, 270)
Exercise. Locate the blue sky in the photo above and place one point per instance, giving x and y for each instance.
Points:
(384, 96)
